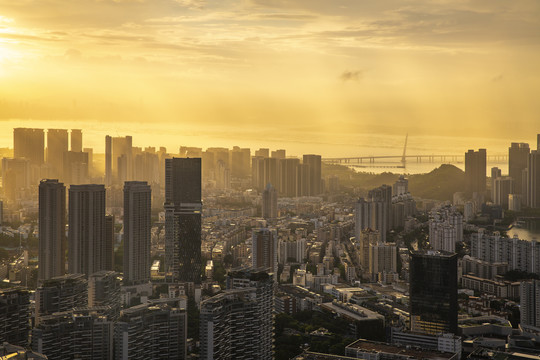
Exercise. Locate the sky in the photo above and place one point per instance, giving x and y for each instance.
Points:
(314, 72)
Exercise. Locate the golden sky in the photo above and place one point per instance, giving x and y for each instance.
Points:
(286, 69)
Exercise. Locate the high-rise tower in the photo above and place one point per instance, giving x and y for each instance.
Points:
(29, 144)
(183, 207)
(533, 180)
(264, 250)
(517, 161)
(269, 202)
(475, 170)
(88, 248)
(76, 140)
(52, 229)
(57, 144)
(314, 162)
(108, 160)
(433, 292)
(238, 323)
(530, 305)
(137, 225)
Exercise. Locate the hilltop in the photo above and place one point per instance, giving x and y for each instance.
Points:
(439, 184)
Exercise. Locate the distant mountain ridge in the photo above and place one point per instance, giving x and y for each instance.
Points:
(439, 184)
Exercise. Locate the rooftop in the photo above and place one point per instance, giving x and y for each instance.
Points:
(376, 347)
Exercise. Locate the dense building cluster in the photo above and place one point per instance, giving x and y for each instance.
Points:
(141, 253)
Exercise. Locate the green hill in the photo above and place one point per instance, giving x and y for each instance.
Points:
(439, 184)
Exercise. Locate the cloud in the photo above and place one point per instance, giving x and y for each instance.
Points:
(351, 75)
(72, 54)
(21, 37)
(192, 4)
(498, 78)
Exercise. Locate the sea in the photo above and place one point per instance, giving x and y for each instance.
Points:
(527, 229)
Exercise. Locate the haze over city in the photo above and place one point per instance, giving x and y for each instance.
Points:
(298, 70)
(269, 179)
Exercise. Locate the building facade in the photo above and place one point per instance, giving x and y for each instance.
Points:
(52, 229)
(433, 292)
(87, 240)
(137, 226)
(475, 170)
(183, 207)
(150, 331)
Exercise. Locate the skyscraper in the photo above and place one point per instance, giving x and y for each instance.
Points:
(122, 145)
(503, 186)
(518, 154)
(104, 291)
(257, 173)
(57, 144)
(278, 154)
(183, 207)
(382, 194)
(76, 140)
(74, 334)
(240, 161)
(14, 315)
(88, 248)
(228, 326)
(16, 177)
(303, 184)
(269, 202)
(62, 293)
(288, 176)
(529, 292)
(264, 250)
(137, 226)
(495, 173)
(262, 152)
(401, 186)
(263, 282)
(52, 229)
(433, 292)
(108, 160)
(533, 182)
(238, 323)
(271, 172)
(151, 331)
(372, 214)
(314, 162)
(475, 170)
(29, 144)
(108, 247)
(75, 167)
(382, 258)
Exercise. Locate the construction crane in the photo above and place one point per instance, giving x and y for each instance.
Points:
(404, 158)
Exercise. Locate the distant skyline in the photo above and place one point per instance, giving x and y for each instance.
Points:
(282, 71)
(342, 145)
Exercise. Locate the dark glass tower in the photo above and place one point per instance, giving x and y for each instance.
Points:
(52, 229)
(88, 247)
(433, 292)
(518, 153)
(183, 207)
(137, 226)
(475, 170)
(314, 162)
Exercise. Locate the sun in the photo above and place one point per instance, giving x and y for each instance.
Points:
(8, 56)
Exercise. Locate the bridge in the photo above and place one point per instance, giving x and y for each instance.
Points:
(403, 159)
(370, 161)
